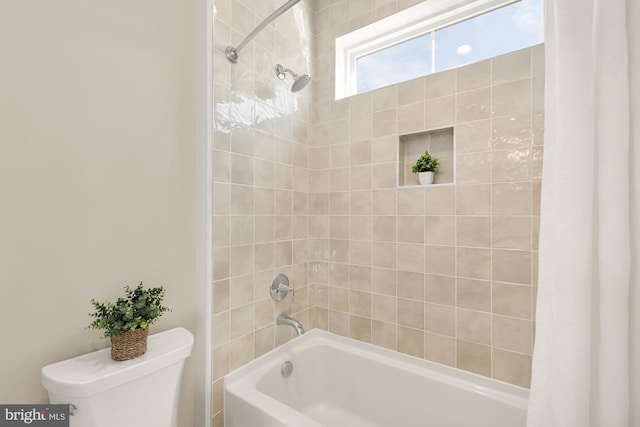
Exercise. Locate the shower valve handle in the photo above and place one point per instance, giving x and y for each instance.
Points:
(280, 288)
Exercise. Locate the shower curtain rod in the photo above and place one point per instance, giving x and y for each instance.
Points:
(232, 52)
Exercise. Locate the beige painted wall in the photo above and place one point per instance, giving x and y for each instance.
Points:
(96, 174)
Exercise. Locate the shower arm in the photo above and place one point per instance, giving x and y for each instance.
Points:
(232, 52)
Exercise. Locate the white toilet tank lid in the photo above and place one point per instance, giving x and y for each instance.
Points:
(95, 372)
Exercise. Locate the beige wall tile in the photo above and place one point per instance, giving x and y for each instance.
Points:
(383, 281)
(221, 296)
(410, 201)
(474, 76)
(220, 329)
(511, 131)
(440, 200)
(384, 202)
(411, 91)
(512, 367)
(264, 340)
(410, 313)
(360, 277)
(384, 175)
(385, 98)
(339, 227)
(440, 260)
(440, 349)
(473, 105)
(474, 231)
(241, 260)
(384, 254)
(512, 198)
(383, 308)
(338, 299)
(360, 177)
(474, 294)
(360, 202)
(339, 323)
(360, 127)
(474, 168)
(240, 290)
(411, 118)
(360, 252)
(339, 274)
(440, 230)
(240, 351)
(340, 155)
(383, 334)
(411, 229)
(360, 227)
(511, 98)
(360, 328)
(411, 285)
(473, 199)
(384, 228)
(410, 341)
(440, 289)
(360, 152)
(440, 319)
(360, 303)
(473, 136)
(440, 112)
(512, 334)
(220, 359)
(474, 357)
(473, 326)
(384, 149)
(384, 123)
(474, 263)
(511, 165)
(441, 84)
(511, 300)
(511, 266)
(512, 66)
(411, 257)
(511, 232)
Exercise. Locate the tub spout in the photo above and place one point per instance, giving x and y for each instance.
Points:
(290, 321)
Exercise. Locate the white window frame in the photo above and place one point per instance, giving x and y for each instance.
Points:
(405, 25)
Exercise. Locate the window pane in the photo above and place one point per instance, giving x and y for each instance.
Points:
(503, 30)
(404, 61)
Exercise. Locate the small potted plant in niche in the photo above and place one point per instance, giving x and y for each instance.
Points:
(425, 167)
(127, 321)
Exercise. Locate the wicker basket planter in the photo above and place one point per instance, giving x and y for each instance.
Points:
(129, 345)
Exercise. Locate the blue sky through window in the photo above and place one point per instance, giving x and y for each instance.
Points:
(503, 30)
(404, 61)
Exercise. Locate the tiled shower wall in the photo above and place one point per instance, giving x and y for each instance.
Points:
(306, 185)
(260, 158)
(446, 273)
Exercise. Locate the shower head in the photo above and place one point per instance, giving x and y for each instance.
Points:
(299, 81)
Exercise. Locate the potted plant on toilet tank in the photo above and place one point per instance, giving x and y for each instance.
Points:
(127, 321)
(425, 167)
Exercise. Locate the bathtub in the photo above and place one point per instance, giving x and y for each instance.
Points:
(341, 382)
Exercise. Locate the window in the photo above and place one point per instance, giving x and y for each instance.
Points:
(433, 36)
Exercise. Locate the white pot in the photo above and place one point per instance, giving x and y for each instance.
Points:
(426, 178)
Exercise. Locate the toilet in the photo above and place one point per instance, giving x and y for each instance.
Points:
(135, 393)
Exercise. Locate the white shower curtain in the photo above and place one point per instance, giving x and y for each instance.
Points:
(586, 361)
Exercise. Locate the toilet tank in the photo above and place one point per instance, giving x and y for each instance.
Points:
(139, 392)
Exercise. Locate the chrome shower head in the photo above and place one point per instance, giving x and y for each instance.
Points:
(299, 81)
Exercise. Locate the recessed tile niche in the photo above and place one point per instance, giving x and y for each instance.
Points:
(440, 144)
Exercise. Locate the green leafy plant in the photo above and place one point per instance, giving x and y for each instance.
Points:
(138, 309)
(425, 163)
